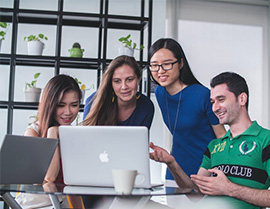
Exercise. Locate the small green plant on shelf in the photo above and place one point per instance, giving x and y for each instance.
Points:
(31, 92)
(127, 42)
(82, 86)
(38, 37)
(3, 27)
(35, 45)
(32, 84)
(76, 50)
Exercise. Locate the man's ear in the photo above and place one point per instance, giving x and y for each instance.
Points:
(242, 99)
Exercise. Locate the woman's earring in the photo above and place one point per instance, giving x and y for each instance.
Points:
(138, 95)
(113, 98)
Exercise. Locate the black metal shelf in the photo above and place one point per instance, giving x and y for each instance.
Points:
(24, 105)
(6, 15)
(49, 61)
(75, 19)
(59, 18)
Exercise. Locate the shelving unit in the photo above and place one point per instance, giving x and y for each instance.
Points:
(103, 22)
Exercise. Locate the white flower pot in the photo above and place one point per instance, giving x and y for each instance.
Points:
(35, 47)
(0, 44)
(126, 51)
(32, 94)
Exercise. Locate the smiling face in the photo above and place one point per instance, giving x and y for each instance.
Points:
(68, 108)
(170, 78)
(125, 83)
(225, 105)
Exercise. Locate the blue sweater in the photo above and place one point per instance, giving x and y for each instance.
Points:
(193, 130)
(141, 116)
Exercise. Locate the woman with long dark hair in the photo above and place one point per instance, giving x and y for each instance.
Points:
(59, 105)
(184, 103)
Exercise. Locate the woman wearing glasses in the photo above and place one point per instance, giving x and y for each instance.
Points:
(184, 103)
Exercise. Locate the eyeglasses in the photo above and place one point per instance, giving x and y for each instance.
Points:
(165, 66)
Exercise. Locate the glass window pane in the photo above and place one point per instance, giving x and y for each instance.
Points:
(92, 6)
(86, 37)
(114, 44)
(125, 7)
(4, 82)
(6, 3)
(5, 45)
(3, 121)
(24, 30)
(25, 74)
(86, 77)
(22, 119)
(39, 4)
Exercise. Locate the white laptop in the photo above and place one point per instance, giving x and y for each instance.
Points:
(25, 160)
(89, 153)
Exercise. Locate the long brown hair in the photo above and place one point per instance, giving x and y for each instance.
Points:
(51, 97)
(103, 110)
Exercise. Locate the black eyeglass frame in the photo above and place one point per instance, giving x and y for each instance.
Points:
(172, 63)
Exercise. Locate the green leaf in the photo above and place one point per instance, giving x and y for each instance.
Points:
(33, 83)
(3, 24)
(121, 39)
(41, 36)
(79, 82)
(36, 75)
(35, 37)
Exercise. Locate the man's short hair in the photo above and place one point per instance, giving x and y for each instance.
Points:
(236, 83)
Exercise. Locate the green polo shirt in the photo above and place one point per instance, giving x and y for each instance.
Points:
(245, 159)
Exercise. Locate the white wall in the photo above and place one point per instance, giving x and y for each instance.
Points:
(221, 37)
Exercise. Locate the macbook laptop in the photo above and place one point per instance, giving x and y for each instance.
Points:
(25, 160)
(89, 153)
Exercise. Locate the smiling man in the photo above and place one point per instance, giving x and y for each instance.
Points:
(237, 165)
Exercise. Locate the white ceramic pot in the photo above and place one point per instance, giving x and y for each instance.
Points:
(32, 94)
(0, 44)
(126, 51)
(35, 47)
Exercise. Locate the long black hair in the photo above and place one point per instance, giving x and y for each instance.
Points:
(186, 76)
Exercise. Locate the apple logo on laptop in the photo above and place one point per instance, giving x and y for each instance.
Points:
(104, 157)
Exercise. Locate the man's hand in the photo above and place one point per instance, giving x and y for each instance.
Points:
(160, 155)
(219, 185)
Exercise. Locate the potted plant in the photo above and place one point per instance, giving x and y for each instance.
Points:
(35, 45)
(76, 50)
(3, 27)
(31, 92)
(128, 46)
(82, 87)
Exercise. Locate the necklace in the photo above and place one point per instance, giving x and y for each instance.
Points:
(177, 112)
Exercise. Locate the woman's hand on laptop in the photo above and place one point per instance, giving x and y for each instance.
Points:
(160, 155)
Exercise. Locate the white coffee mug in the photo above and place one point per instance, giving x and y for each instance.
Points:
(124, 180)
